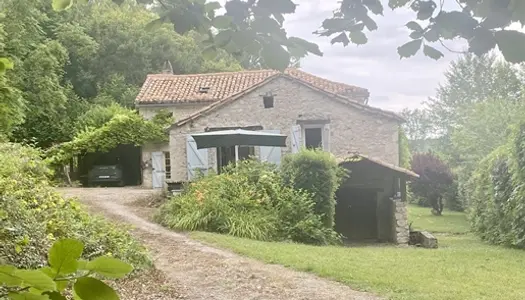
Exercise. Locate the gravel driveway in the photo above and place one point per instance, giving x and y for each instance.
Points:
(197, 271)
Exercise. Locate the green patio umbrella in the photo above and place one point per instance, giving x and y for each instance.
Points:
(238, 137)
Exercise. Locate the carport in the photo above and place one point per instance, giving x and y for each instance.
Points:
(371, 203)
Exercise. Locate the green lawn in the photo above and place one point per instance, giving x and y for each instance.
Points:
(462, 268)
(449, 222)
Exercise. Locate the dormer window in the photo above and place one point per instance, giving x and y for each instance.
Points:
(204, 89)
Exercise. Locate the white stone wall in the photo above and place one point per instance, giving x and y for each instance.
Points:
(351, 129)
(400, 218)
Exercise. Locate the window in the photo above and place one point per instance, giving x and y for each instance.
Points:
(167, 164)
(313, 137)
(268, 101)
(226, 155)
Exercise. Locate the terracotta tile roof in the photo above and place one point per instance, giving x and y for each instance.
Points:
(356, 157)
(336, 97)
(207, 88)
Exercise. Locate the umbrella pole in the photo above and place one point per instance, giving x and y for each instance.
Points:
(236, 155)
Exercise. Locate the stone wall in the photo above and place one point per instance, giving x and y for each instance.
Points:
(400, 221)
(351, 129)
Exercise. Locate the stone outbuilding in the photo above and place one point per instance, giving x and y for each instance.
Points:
(313, 112)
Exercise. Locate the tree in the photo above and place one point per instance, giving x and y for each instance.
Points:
(470, 80)
(89, 55)
(256, 26)
(435, 180)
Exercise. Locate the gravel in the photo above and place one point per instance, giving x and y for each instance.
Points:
(187, 269)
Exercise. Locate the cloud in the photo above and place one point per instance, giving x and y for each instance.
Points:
(393, 83)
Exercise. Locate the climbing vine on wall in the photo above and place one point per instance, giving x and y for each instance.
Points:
(121, 129)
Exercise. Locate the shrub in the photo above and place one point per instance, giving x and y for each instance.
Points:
(496, 193)
(249, 201)
(434, 183)
(318, 173)
(33, 215)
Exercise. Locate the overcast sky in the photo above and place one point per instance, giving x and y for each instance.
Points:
(393, 83)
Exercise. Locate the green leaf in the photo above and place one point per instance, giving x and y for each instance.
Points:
(416, 35)
(222, 22)
(279, 18)
(82, 264)
(432, 35)
(374, 6)
(432, 52)
(278, 6)
(63, 255)
(409, 49)
(49, 272)
(7, 276)
(369, 23)
(482, 42)
(306, 45)
(275, 56)
(88, 288)
(358, 37)
(55, 296)
(60, 5)
(37, 279)
(511, 43)
(118, 2)
(454, 23)
(426, 9)
(341, 38)
(109, 267)
(412, 25)
(27, 296)
(397, 3)
(211, 6)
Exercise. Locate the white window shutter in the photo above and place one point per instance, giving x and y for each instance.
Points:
(326, 138)
(296, 138)
(197, 159)
(270, 154)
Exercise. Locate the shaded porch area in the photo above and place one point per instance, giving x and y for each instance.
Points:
(371, 203)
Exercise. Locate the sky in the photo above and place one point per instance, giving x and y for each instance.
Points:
(393, 83)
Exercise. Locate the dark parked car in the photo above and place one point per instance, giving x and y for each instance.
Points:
(105, 174)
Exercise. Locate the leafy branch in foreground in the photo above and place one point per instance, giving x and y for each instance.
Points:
(66, 273)
(256, 26)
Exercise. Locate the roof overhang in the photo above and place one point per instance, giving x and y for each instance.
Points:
(357, 157)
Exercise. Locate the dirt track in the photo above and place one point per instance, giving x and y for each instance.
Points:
(197, 271)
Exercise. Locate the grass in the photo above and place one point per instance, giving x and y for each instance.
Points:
(450, 222)
(462, 268)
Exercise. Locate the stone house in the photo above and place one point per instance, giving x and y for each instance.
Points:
(311, 111)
